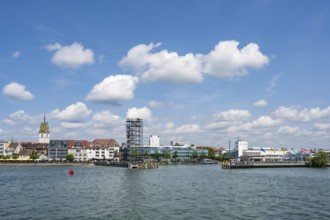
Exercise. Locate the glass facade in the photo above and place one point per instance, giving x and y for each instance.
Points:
(58, 149)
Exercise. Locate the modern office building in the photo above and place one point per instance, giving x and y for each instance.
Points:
(58, 149)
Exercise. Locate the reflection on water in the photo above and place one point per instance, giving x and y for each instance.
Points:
(169, 192)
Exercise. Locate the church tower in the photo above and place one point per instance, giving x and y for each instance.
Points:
(44, 133)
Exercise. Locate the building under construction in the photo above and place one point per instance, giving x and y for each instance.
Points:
(134, 132)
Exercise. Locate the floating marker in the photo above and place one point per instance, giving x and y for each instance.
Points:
(71, 172)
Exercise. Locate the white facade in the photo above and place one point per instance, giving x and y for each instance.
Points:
(3, 146)
(79, 154)
(44, 138)
(154, 141)
(44, 133)
(101, 153)
(241, 147)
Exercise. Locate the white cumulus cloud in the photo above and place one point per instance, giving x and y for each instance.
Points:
(218, 125)
(72, 56)
(322, 126)
(16, 54)
(169, 125)
(73, 113)
(188, 128)
(17, 91)
(113, 88)
(260, 103)
(106, 119)
(163, 65)
(155, 104)
(295, 113)
(228, 61)
(143, 113)
(266, 121)
(233, 115)
(225, 61)
(288, 130)
(19, 117)
(72, 125)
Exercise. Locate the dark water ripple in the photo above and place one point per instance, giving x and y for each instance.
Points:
(172, 192)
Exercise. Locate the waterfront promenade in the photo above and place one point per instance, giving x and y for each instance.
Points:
(264, 165)
(33, 163)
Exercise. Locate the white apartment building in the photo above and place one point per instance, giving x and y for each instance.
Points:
(101, 149)
(154, 141)
(79, 149)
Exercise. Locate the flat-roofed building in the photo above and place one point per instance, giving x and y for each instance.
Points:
(58, 149)
(154, 141)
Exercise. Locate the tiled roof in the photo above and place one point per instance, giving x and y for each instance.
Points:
(27, 152)
(72, 144)
(12, 146)
(105, 142)
(31, 145)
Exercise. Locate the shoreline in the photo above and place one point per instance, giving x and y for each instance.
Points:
(44, 164)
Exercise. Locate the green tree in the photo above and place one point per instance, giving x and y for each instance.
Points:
(203, 155)
(156, 156)
(320, 159)
(34, 156)
(14, 156)
(116, 154)
(195, 154)
(167, 154)
(175, 155)
(146, 154)
(211, 152)
(134, 153)
(69, 157)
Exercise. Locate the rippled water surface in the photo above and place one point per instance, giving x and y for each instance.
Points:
(169, 192)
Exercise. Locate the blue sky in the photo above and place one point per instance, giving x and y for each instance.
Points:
(199, 72)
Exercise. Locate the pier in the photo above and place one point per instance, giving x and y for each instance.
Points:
(262, 165)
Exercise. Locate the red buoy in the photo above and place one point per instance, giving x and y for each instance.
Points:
(71, 172)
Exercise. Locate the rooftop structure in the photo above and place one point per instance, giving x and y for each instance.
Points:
(134, 132)
(44, 133)
(154, 141)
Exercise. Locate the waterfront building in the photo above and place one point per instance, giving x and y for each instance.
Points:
(39, 148)
(180, 153)
(240, 147)
(58, 149)
(79, 149)
(101, 149)
(3, 146)
(154, 141)
(264, 154)
(12, 148)
(44, 133)
(25, 154)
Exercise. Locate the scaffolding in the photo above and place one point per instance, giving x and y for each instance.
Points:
(134, 132)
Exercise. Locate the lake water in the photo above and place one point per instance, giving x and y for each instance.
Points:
(169, 192)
